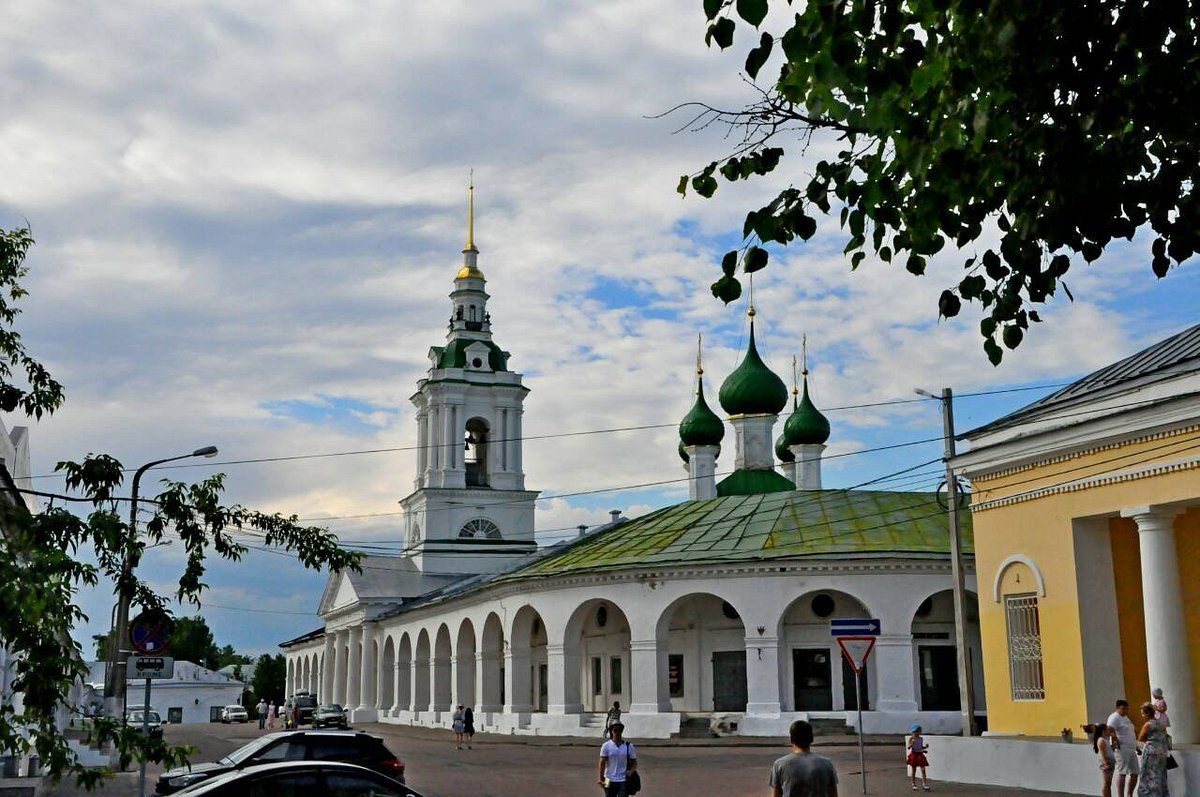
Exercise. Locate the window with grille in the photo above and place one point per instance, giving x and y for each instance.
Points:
(480, 528)
(1024, 647)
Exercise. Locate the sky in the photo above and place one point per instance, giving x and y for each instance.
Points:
(248, 217)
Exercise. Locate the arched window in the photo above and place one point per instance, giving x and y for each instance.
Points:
(476, 460)
(479, 529)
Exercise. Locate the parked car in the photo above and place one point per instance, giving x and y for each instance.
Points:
(301, 777)
(307, 704)
(353, 747)
(329, 715)
(139, 717)
(234, 713)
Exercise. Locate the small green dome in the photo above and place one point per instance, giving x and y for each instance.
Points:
(782, 451)
(683, 454)
(701, 426)
(753, 388)
(806, 425)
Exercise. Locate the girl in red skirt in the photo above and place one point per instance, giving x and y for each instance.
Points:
(916, 757)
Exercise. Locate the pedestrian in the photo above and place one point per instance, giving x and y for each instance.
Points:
(469, 725)
(296, 715)
(916, 757)
(261, 708)
(618, 764)
(1102, 745)
(271, 711)
(1154, 755)
(801, 773)
(612, 717)
(459, 726)
(1125, 748)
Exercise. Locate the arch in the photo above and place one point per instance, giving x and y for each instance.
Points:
(480, 528)
(815, 675)
(404, 679)
(421, 672)
(443, 652)
(291, 676)
(528, 667)
(386, 690)
(476, 460)
(464, 665)
(596, 658)
(1014, 559)
(936, 650)
(705, 666)
(491, 662)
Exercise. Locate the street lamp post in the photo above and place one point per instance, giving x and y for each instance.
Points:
(965, 687)
(114, 682)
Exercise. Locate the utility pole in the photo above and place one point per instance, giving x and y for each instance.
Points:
(966, 690)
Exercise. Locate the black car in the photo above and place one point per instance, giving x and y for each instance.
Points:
(301, 778)
(331, 715)
(353, 747)
(306, 704)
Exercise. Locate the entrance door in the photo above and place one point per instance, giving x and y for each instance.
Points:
(729, 680)
(812, 679)
(848, 687)
(939, 677)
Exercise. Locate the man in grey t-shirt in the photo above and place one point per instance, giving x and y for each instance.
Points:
(801, 773)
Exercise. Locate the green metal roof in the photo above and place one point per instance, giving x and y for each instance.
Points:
(782, 451)
(753, 388)
(756, 481)
(454, 354)
(806, 424)
(701, 426)
(751, 528)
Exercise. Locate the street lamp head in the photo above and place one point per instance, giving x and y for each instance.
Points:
(924, 393)
(207, 451)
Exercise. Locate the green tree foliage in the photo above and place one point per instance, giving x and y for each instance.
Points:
(1055, 128)
(45, 558)
(270, 678)
(192, 640)
(227, 655)
(101, 642)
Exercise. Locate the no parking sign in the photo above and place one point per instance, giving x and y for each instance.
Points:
(150, 633)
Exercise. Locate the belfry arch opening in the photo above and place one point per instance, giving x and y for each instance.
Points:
(475, 458)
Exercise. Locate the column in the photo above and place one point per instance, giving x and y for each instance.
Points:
(1166, 632)
(338, 687)
(435, 442)
(422, 448)
(354, 667)
(762, 675)
(487, 680)
(895, 673)
(563, 674)
(399, 701)
(450, 438)
(649, 692)
(366, 672)
(504, 440)
(517, 684)
(414, 671)
(515, 463)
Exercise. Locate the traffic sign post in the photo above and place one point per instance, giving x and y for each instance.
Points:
(150, 635)
(856, 637)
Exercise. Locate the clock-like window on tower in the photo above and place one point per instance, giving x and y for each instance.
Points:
(480, 529)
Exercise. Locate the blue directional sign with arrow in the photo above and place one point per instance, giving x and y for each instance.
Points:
(855, 626)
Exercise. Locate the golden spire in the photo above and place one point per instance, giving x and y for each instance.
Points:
(751, 312)
(699, 347)
(795, 385)
(804, 354)
(470, 247)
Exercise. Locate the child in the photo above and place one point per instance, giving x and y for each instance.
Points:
(916, 757)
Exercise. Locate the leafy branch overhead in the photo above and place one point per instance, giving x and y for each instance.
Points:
(1052, 129)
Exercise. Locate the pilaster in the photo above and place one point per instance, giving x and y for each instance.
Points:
(648, 675)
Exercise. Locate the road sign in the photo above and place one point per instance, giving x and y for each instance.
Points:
(150, 633)
(856, 649)
(855, 626)
(151, 667)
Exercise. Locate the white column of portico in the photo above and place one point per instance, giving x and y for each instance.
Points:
(338, 690)
(517, 686)
(648, 675)
(366, 671)
(487, 680)
(354, 667)
(1166, 631)
(413, 672)
(895, 673)
(762, 676)
(398, 700)
(563, 687)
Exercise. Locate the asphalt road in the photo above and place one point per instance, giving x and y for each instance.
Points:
(566, 767)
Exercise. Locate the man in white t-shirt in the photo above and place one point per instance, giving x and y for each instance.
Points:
(618, 759)
(1125, 749)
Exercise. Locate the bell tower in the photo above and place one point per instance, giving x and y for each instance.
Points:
(469, 511)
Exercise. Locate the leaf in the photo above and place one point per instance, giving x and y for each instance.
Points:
(712, 8)
(755, 260)
(1013, 335)
(721, 32)
(727, 289)
(729, 263)
(994, 353)
(705, 185)
(681, 189)
(915, 265)
(949, 304)
(759, 55)
(753, 11)
(806, 227)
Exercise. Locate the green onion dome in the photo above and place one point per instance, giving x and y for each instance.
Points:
(753, 388)
(683, 454)
(806, 425)
(782, 451)
(701, 426)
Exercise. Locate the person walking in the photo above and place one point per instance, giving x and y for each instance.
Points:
(916, 757)
(272, 711)
(469, 725)
(1102, 745)
(261, 708)
(1125, 748)
(618, 761)
(612, 717)
(1154, 755)
(802, 773)
(459, 726)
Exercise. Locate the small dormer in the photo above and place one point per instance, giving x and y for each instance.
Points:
(478, 357)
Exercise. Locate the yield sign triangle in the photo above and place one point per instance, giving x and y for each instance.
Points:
(856, 649)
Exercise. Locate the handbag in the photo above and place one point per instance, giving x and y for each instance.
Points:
(633, 783)
(1171, 763)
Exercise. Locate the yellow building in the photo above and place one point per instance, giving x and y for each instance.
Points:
(1086, 510)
